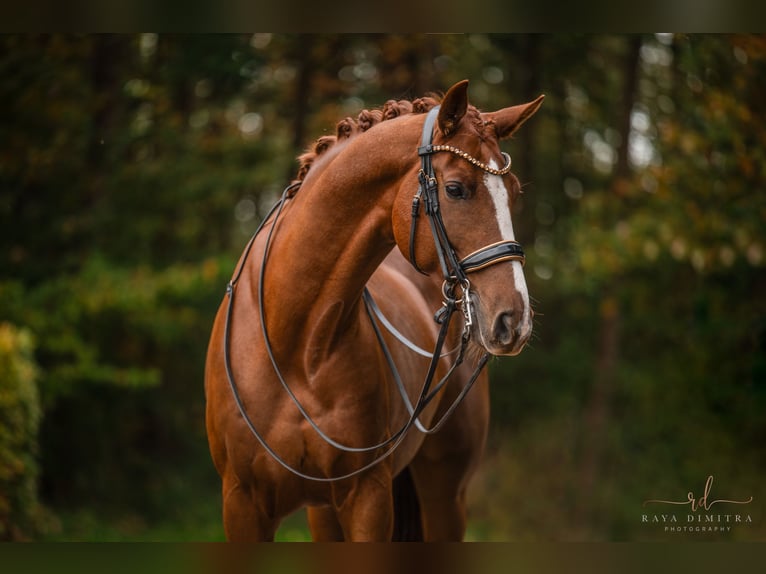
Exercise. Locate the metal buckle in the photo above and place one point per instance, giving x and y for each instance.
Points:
(465, 301)
(467, 309)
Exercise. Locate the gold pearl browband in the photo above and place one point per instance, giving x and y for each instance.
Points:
(502, 171)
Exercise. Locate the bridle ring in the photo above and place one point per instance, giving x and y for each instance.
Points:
(448, 288)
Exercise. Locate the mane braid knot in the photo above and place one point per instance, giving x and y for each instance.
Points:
(349, 127)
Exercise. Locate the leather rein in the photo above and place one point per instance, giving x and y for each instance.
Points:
(454, 271)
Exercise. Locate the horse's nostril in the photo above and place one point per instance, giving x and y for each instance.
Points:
(503, 328)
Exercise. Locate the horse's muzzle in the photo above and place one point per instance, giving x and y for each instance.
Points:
(510, 332)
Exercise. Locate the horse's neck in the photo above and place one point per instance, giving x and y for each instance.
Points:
(335, 234)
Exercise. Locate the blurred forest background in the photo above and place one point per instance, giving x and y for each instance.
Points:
(133, 169)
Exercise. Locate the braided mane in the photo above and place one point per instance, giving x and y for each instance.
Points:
(348, 127)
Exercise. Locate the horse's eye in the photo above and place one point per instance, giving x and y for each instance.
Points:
(456, 190)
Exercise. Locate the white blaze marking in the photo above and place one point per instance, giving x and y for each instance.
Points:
(499, 194)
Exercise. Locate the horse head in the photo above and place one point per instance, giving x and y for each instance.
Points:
(474, 192)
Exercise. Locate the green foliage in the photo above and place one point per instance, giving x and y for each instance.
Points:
(20, 511)
(110, 331)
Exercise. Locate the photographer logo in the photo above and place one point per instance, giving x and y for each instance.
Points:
(700, 515)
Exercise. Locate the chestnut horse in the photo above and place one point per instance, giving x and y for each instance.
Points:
(321, 387)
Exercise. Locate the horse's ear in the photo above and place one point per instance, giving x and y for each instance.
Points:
(508, 120)
(453, 108)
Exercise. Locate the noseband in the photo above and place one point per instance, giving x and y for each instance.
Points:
(454, 270)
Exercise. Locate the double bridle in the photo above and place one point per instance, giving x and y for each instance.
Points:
(455, 273)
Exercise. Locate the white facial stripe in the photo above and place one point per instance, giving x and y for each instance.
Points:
(499, 195)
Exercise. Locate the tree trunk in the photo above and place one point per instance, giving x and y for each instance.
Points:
(302, 93)
(595, 420)
(631, 67)
(596, 415)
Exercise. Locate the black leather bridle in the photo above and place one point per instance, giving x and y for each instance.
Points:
(455, 273)
(453, 269)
